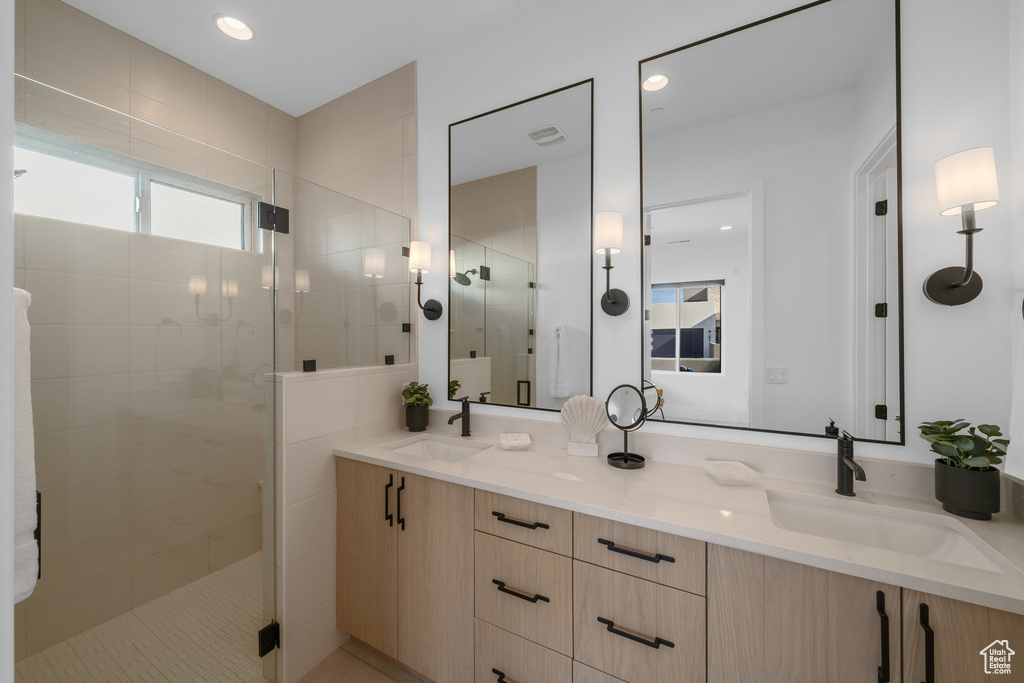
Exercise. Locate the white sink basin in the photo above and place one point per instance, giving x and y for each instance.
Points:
(436, 447)
(921, 534)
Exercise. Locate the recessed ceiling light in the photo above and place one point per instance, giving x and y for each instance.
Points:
(726, 227)
(236, 28)
(655, 83)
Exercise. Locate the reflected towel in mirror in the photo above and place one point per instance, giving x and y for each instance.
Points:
(26, 552)
(559, 368)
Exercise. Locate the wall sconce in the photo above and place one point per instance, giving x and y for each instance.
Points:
(451, 263)
(966, 183)
(270, 276)
(301, 287)
(197, 288)
(608, 241)
(419, 263)
(373, 263)
(229, 289)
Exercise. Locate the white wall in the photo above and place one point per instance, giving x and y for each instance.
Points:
(608, 39)
(713, 397)
(6, 345)
(1015, 463)
(563, 220)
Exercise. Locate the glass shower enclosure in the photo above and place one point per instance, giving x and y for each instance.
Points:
(162, 306)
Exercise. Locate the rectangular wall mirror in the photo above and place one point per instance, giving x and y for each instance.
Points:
(520, 207)
(772, 232)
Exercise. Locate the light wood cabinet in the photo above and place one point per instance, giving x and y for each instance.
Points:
(581, 673)
(541, 526)
(500, 652)
(405, 568)
(771, 620)
(637, 630)
(960, 632)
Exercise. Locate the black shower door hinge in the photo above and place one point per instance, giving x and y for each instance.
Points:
(881, 412)
(647, 240)
(882, 208)
(273, 218)
(270, 638)
(882, 310)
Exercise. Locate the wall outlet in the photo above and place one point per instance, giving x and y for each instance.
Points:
(778, 375)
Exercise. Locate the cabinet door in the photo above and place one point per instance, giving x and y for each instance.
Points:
(367, 580)
(435, 579)
(960, 632)
(500, 653)
(856, 629)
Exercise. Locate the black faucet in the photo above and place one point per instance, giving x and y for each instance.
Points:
(846, 467)
(464, 415)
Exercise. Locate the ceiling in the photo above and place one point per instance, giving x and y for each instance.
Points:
(305, 52)
(820, 50)
(499, 142)
(700, 222)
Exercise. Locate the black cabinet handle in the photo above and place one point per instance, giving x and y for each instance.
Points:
(519, 594)
(401, 519)
(883, 669)
(656, 558)
(634, 636)
(501, 676)
(929, 646)
(388, 517)
(518, 522)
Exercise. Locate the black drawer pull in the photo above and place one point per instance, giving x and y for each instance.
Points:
(656, 558)
(519, 594)
(518, 522)
(388, 517)
(501, 676)
(883, 669)
(929, 646)
(634, 636)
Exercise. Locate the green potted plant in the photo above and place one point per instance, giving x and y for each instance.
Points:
(966, 481)
(453, 388)
(417, 406)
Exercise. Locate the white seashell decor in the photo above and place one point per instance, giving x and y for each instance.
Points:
(585, 417)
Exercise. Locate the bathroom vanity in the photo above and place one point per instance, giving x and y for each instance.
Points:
(476, 564)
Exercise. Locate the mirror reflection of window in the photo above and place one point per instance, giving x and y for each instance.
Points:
(686, 327)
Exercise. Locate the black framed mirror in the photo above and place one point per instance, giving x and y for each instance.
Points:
(520, 266)
(772, 264)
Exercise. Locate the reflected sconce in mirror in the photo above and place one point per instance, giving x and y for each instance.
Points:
(229, 290)
(966, 183)
(419, 263)
(373, 263)
(270, 277)
(197, 288)
(608, 241)
(302, 286)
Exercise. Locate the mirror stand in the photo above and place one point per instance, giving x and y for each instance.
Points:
(624, 400)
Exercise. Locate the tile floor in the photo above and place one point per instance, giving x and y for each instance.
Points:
(205, 631)
(345, 667)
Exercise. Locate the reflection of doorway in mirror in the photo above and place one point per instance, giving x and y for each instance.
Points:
(699, 276)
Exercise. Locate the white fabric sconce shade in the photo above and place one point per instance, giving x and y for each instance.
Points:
(196, 285)
(419, 257)
(608, 232)
(229, 288)
(301, 280)
(270, 276)
(964, 178)
(373, 263)
(451, 263)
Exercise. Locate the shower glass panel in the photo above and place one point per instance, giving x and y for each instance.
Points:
(153, 339)
(492, 331)
(344, 298)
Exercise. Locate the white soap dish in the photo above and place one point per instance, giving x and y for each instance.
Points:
(514, 441)
(731, 472)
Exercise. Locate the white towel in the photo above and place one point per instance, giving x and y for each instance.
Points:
(558, 366)
(26, 552)
(1014, 463)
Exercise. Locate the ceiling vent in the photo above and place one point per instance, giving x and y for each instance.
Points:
(545, 136)
(678, 242)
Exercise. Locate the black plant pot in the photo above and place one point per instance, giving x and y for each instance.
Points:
(968, 493)
(417, 418)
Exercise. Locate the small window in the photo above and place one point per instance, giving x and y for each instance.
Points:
(197, 217)
(686, 326)
(65, 190)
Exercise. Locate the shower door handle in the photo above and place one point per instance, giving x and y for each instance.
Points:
(519, 392)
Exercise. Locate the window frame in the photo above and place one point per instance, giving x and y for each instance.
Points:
(145, 174)
(678, 287)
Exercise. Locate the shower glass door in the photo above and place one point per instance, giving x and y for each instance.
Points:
(153, 355)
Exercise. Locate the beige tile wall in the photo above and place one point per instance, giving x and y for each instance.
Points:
(320, 412)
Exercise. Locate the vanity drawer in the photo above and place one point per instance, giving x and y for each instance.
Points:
(519, 659)
(581, 673)
(533, 596)
(541, 526)
(653, 555)
(639, 613)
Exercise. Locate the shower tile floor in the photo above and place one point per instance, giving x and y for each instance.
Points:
(205, 631)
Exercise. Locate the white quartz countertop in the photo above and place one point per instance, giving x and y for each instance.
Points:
(684, 500)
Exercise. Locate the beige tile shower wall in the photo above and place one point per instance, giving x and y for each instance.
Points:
(148, 419)
(500, 213)
(319, 412)
(61, 46)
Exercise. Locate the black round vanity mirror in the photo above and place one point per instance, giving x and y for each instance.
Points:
(627, 410)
